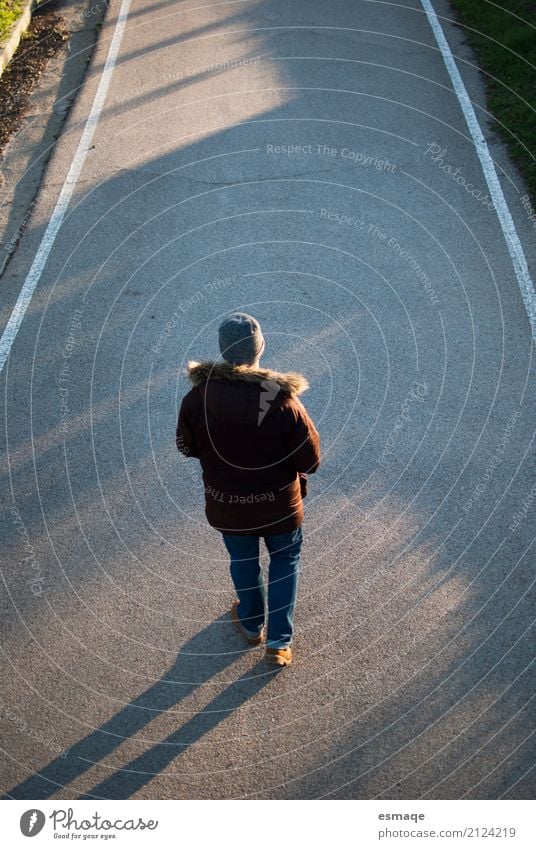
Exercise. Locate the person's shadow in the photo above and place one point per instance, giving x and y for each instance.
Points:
(195, 664)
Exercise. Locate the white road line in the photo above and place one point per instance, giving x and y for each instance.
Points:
(56, 220)
(515, 250)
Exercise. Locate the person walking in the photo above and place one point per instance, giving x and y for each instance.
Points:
(256, 444)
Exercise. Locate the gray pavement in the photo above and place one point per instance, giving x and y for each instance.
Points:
(390, 286)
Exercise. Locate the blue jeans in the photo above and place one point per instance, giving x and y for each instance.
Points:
(282, 583)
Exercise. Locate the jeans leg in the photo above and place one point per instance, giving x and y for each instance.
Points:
(282, 586)
(247, 579)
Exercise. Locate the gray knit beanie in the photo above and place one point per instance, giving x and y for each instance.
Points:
(241, 340)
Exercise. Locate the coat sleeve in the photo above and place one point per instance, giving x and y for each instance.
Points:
(303, 440)
(185, 433)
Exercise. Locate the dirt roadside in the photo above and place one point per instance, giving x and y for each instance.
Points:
(36, 95)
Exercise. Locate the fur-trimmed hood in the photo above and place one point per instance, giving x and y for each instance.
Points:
(291, 383)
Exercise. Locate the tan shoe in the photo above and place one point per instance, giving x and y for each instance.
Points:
(253, 638)
(279, 657)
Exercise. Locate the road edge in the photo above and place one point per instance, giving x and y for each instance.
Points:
(77, 130)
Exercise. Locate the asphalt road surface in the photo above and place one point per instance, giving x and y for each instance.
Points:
(310, 163)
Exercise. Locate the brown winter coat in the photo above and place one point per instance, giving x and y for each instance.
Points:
(255, 441)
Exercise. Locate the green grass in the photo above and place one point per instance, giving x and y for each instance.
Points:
(9, 12)
(499, 36)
